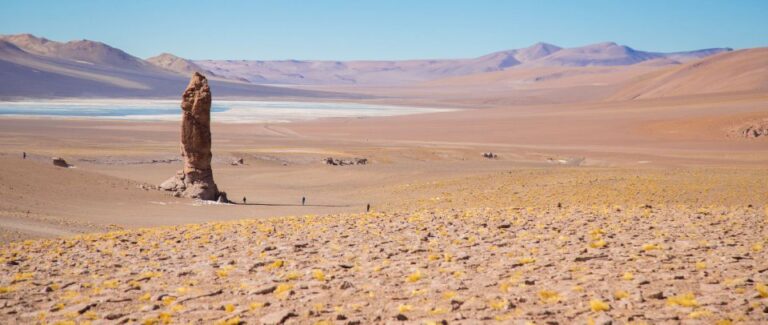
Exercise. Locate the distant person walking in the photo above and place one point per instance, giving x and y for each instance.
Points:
(303, 200)
(244, 201)
(24, 155)
(368, 208)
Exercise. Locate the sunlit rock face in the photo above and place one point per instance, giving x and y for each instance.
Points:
(196, 179)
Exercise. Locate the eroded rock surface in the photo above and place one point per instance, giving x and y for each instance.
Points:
(196, 179)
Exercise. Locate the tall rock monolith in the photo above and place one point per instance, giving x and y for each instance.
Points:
(196, 179)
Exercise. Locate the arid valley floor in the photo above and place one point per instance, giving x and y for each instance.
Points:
(627, 208)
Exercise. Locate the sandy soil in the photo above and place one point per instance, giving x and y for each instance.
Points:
(284, 161)
(686, 130)
(487, 253)
(582, 193)
(103, 191)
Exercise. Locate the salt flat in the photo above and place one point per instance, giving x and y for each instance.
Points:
(223, 111)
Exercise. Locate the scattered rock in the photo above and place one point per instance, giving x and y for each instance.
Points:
(345, 162)
(752, 130)
(490, 155)
(84, 308)
(455, 260)
(278, 317)
(60, 162)
(147, 308)
(603, 319)
(147, 187)
(114, 316)
(265, 290)
(346, 285)
(210, 294)
(175, 184)
(238, 162)
(456, 304)
(587, 258)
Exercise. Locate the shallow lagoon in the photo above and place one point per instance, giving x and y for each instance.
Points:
(222, 111)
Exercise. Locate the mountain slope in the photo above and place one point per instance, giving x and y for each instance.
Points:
(177, 64)
(40, 68)
(535, 52)
(601, 54)
(738, 71)
(82, 50)
(23, 75)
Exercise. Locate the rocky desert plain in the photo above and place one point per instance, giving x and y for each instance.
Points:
(595, 185)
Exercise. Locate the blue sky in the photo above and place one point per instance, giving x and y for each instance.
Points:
(343, 30)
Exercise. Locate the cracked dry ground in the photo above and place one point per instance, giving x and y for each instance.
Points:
(575, 264)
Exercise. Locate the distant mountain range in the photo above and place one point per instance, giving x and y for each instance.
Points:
(32, 66)
(294, 72)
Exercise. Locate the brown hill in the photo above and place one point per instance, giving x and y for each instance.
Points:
(177, 64)
(738, 71)
(84, 51)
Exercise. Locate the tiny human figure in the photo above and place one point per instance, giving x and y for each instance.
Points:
(24, 155)
(368, 208)
(303, 200)
(244, 200)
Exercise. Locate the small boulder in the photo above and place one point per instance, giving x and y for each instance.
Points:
(277, 317)
(603, 319)
(753, 130)
(345, 162)
(330, 161)
(490, 155)
(175, 184)
(60, 162)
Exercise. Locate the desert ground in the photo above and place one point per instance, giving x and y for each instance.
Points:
(284, 162)
(614, 202)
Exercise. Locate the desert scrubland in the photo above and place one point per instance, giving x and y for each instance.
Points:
(633, 193)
